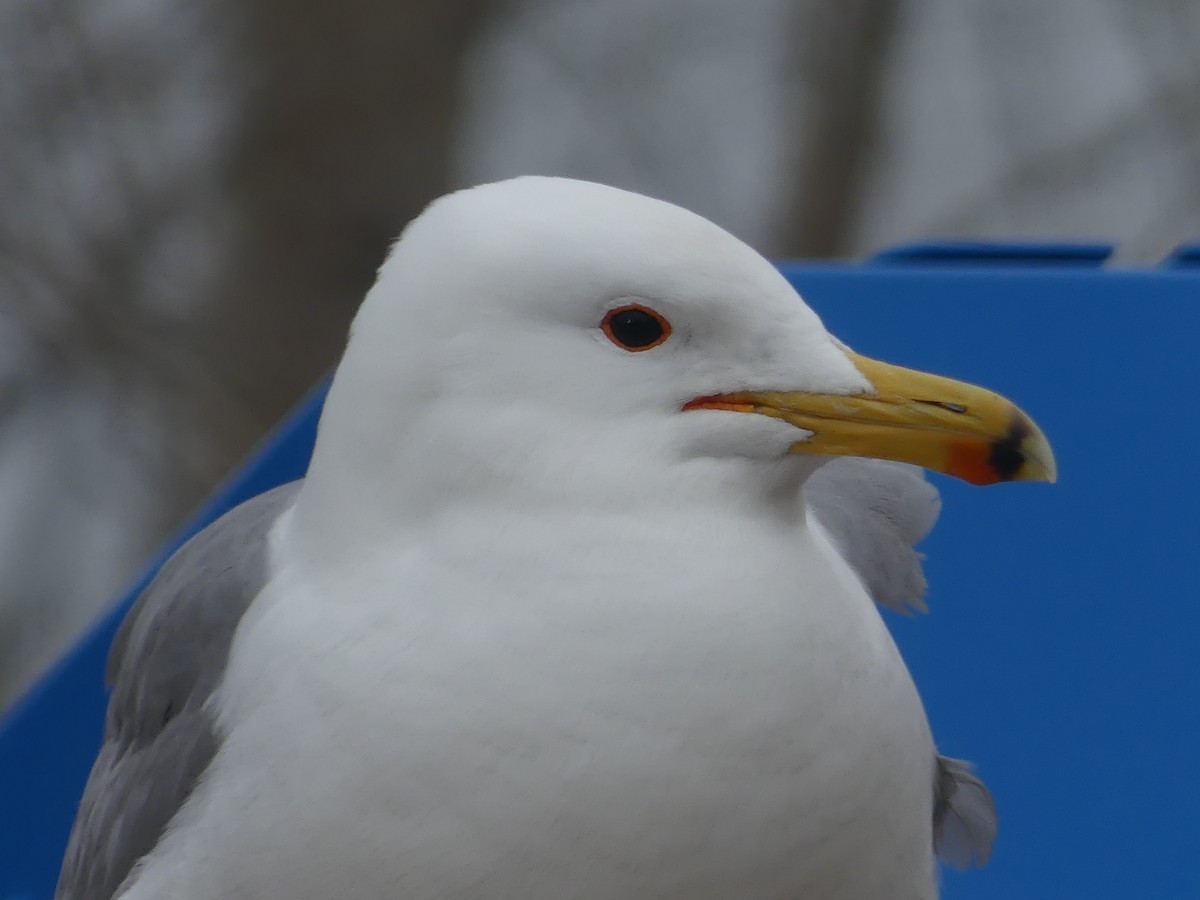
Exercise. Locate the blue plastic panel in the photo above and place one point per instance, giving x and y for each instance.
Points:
(1060, 654)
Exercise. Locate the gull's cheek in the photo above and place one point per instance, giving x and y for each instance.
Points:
(721, 434)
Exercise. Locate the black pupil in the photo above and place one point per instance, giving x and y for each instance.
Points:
(635, 327)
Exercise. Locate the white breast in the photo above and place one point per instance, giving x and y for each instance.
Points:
(607, 709)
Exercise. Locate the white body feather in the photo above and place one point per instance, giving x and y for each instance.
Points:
(694, 706)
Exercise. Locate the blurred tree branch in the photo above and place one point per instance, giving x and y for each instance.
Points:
(840, 59)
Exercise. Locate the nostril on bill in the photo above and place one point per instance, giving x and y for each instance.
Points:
(949, 407)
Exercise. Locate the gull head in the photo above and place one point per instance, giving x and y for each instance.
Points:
(542, 333)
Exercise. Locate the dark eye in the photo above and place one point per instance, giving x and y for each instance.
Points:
(635, 327)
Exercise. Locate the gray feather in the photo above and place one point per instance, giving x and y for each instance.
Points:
(875, 512)
(964, 816)
(168, 657)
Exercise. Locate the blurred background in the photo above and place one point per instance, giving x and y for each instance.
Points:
(194, 195)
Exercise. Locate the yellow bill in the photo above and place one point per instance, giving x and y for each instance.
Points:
(914, 417)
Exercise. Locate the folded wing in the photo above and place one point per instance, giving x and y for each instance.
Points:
(168, 658)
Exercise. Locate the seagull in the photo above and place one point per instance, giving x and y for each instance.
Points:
(577, 600)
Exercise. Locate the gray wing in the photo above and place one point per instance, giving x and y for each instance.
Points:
(166, 660)
(875, 512)
(964, 816)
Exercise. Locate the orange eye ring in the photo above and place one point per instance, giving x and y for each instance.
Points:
(635, 328)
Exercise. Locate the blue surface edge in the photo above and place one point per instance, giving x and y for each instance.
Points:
(1185, 256)
(979, 254)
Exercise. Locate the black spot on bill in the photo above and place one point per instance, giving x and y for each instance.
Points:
(1006, 456)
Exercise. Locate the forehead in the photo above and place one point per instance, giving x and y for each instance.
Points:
(548, 242)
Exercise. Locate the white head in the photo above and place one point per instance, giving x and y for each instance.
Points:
(487, 358)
